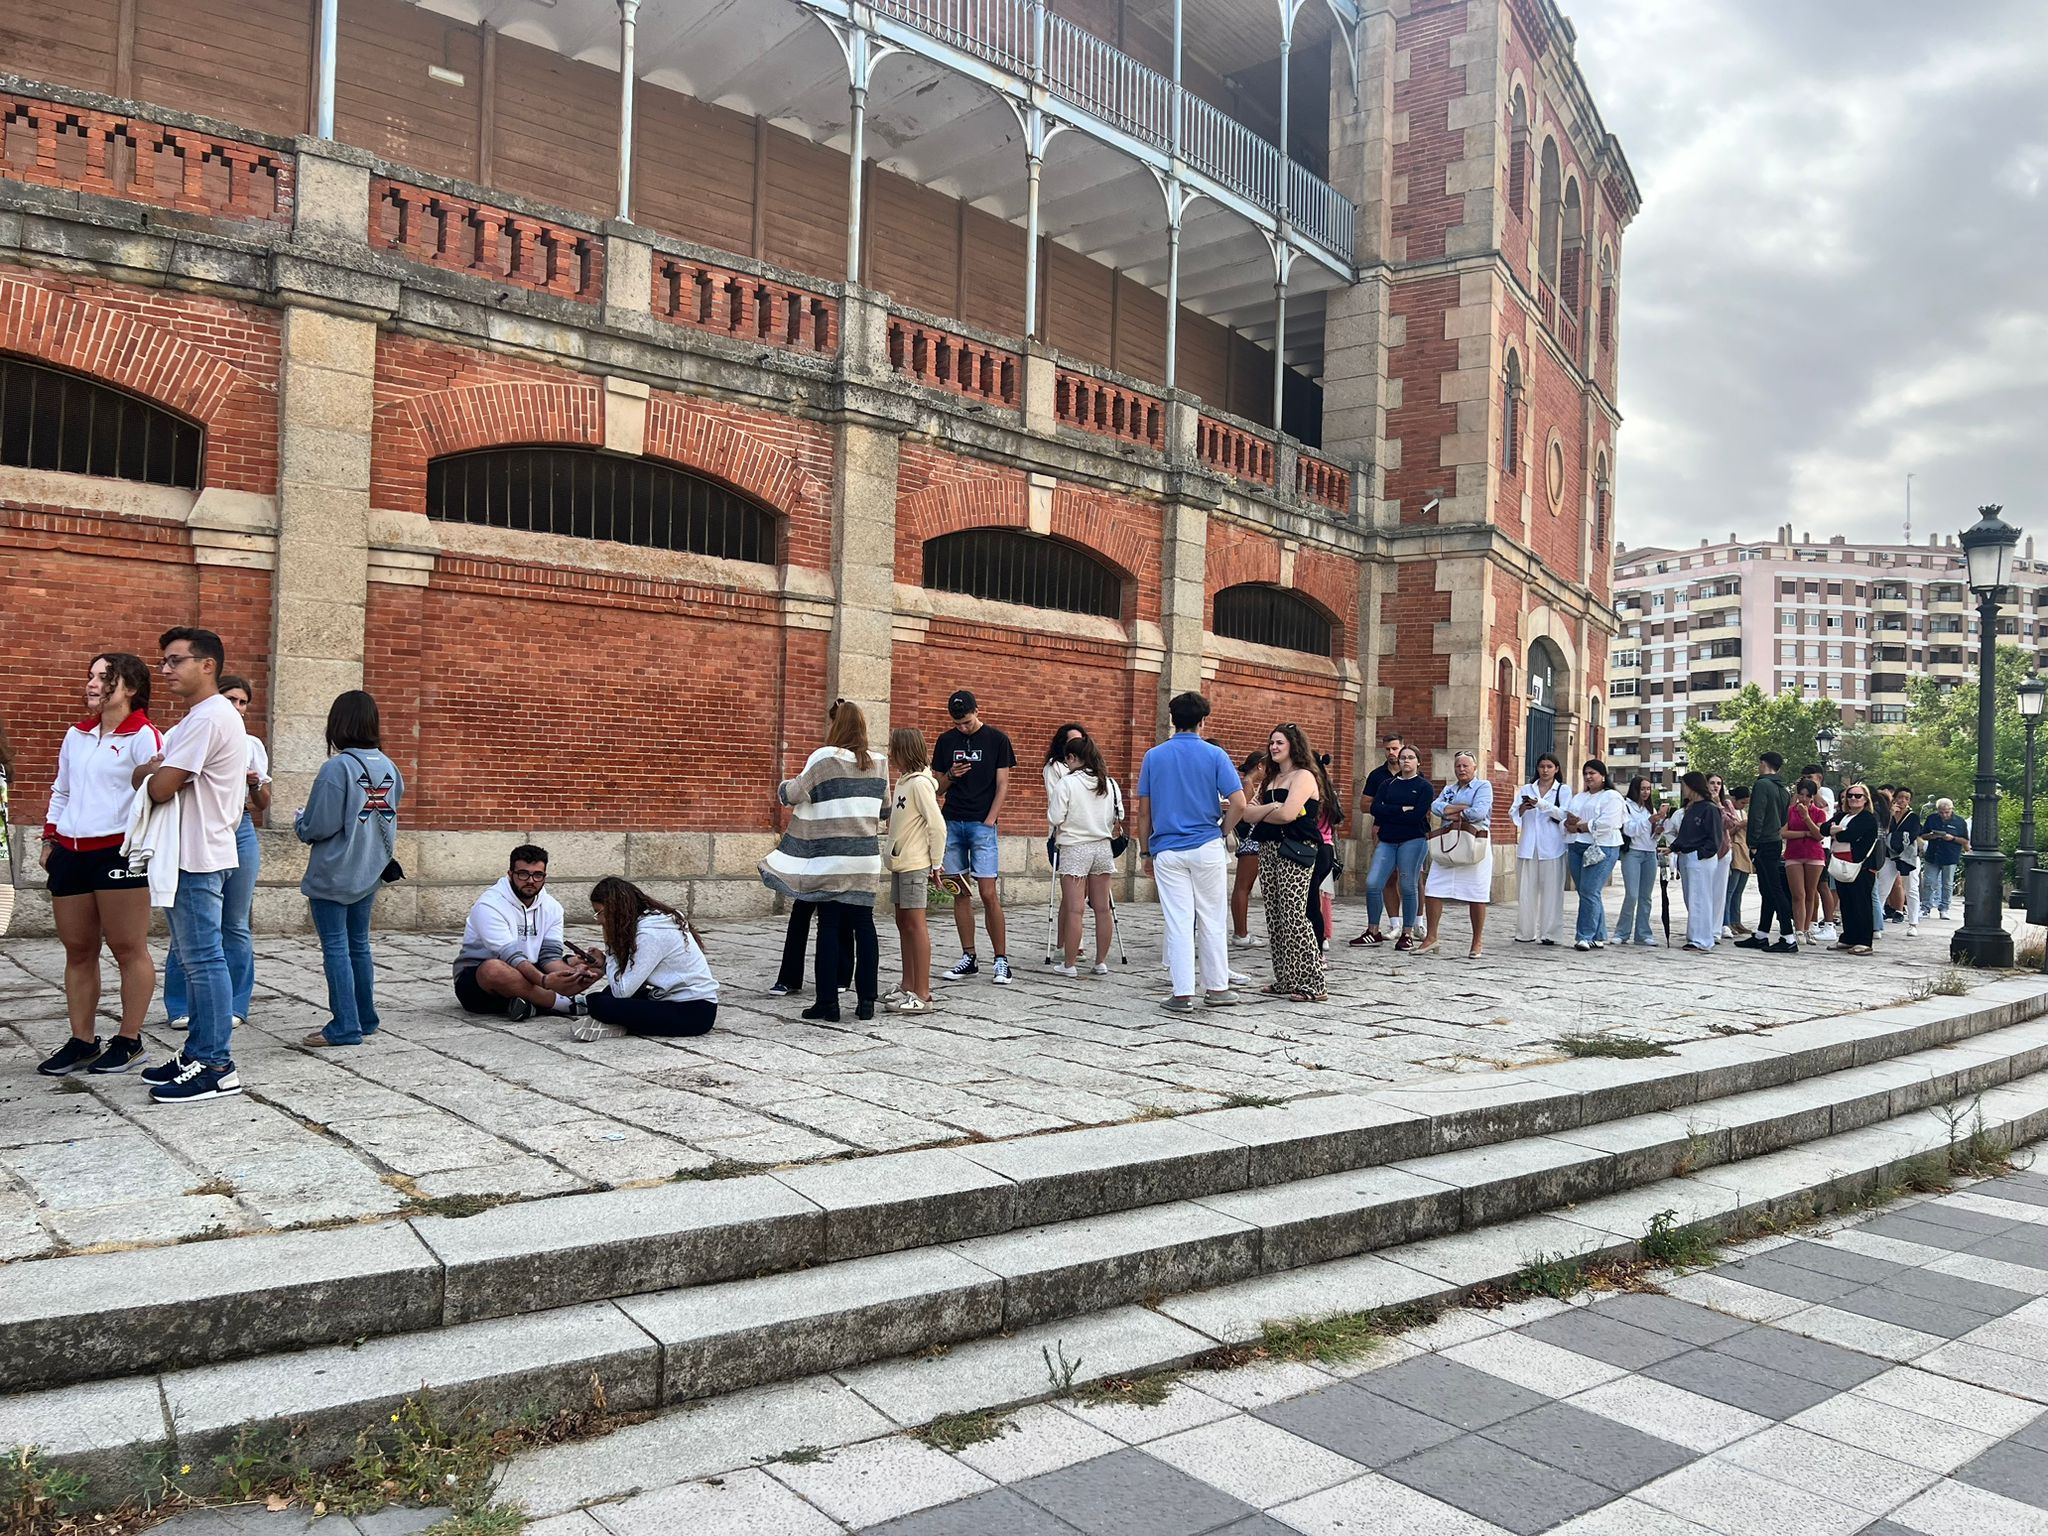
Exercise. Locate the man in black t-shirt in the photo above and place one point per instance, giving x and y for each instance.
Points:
(1373, 781)
(973, 763)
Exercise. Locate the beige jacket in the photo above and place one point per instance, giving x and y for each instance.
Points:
(917, 833)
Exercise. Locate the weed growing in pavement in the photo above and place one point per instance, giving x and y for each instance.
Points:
(1061, 1375)
(1252, 1101)
(1626, 1047)
(1952, 982)
(1976, 1154)
(1667, 1243)
(798, 1456)
(455, 1205)
(490, 1520)
(1146, 1391)
(1692, 1157)
(1556, 1275)
(34, 1495)
(1331, 1340)
(718, 1168)
(956, 1431)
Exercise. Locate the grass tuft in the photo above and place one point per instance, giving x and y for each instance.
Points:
(718, 1168)
(1556, 1275)
(956, 1431)
(1667, 1243)
(1252, 1101)
(489, 1520)
(1330, 1340)
(1627, 1047)
(1146, 1391)
(1952, 982)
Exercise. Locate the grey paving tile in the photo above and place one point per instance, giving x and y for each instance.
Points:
(2014, 1470)
(1944, 1213)
(1740, 1383)
(2035, 1434)
(1590, 1331)
(1910, 1311)
(1256, 1525)
(2022, 1245)
(1768, 1274)
(1796, 1355)
(1955, 1292)
(1836, 1261)
(1669, 1316)
(1129, 1493)
(1888, 1528)
(1907, 1227)
(2023, 1191)
(1589, 1446)
(1454, 1393)
(399, 1520)
(1370, 1430)
(1513, 1491)
(999, 1512)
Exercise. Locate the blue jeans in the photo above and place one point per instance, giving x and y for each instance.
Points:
(1937, 888)
(1592, 885)
(344, 929)
(1638, 876)
(237, 938)
(1388, 859)
(971, 849)
(196, 930)
(1738, 882)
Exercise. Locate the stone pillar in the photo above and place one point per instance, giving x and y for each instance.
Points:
(865, 444)
(1183, 599)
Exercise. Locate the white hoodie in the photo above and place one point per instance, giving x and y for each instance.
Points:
(502, 927)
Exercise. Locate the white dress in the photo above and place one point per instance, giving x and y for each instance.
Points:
(1461, 882)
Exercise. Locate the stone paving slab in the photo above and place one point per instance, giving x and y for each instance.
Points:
(441, 1105)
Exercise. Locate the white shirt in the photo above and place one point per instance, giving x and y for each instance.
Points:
(1602, 810)
(1635, 827)
(1541, 827)
(212, 745)
(667, 964)
(1079, 814)
(94, 789)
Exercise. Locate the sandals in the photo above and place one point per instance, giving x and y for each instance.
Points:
(1308, 997)
(1276, 990)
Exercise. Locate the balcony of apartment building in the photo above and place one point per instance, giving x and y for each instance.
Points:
(1126, 200)
(1715, 686)
(1891, 598)
(1716, 597)
(1948, 664)
(1948, 597)
(1887, 688)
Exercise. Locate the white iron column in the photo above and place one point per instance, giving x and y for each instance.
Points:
(1283, 267)
(323, 109)
(628, 12)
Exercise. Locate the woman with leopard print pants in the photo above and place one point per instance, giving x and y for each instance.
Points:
(1284, 820)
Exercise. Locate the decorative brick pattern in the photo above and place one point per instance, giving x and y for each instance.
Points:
(741, 305)
(1234, 451)
(1087, 403)
(942, 359)
(498, 244)
(1318, 480)
(128, 156)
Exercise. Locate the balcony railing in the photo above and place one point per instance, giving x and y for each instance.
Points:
(944, 359)
(463, 235)
(1080, 68)
(743, 306)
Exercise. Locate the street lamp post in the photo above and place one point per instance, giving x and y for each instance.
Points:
(1982, 940)
(1681, 757)
(1824, 738)
(2032, 693)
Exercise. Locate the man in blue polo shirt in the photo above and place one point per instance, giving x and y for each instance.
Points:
(1188, 796)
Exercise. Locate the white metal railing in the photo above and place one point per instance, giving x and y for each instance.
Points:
(1103, 80)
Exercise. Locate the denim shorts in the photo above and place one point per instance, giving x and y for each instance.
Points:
(971, 849)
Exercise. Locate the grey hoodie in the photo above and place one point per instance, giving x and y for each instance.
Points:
(351, 821)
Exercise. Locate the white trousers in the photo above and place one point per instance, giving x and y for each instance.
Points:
(1721, 866)
(1194, 903)
(1702, 912)
(1539, 908)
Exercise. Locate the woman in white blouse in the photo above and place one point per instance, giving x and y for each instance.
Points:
(1538, 815)
(1592, 826)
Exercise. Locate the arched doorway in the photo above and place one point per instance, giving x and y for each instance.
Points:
(1547, 678)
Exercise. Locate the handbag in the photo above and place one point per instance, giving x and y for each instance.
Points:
(1456, 847)
(1593, 857)
(1841, 870)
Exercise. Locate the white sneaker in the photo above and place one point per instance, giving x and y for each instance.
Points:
(181, 1023)
(1912, 930)
(1243, 941)
(1065, 970)
(1101, 968)
(1727, 932)
(1237, 980)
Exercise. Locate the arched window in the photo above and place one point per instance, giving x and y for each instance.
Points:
(1550, 203)
(1511, 416)
(1518, 155)
(1572, 251)
(1273, 616)
(1600, 491)
(1504, 714)
(584, 494)
(1606, 298)
(51, 419)
(1007, 565)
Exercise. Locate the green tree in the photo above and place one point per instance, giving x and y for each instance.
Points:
(1753, 723)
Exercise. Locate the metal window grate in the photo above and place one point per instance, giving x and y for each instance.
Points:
(50, 419)
(585, 494)
(1006, 566)
(1271, 616)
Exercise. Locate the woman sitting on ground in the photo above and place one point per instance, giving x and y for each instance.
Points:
(656, 979)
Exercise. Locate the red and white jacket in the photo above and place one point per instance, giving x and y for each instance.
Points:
(90, 801)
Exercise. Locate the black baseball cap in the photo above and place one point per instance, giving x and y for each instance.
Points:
(960, 705)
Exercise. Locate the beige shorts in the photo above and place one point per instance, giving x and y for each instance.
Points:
(910, 888)
(1082, 859)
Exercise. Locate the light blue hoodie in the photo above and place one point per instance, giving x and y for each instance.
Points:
(351, 820)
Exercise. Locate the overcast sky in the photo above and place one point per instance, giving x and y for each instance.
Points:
(1840, 273)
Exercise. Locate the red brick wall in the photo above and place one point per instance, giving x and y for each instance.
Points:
(1427, 34)
(1249, 700)
(1422, 421)
(1556, 404)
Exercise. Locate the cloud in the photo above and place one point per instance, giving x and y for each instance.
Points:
(1833, 280)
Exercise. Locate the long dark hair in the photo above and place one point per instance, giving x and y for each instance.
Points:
(124, 668)
(1056, 751)
(1300, 755)
(1594, 763)
(1640, 781)
(620, 905)
(1697, 783)
(352, 722)
(1083, 747)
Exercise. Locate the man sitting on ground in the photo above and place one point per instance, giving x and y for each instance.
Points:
(513, 962)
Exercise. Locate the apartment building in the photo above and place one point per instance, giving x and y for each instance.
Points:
(607, 385)
(1834, 620)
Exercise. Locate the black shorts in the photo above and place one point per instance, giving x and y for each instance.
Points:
(474, 998)
(80, 872)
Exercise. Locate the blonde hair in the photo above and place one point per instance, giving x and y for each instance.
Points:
(1858, 788)
(907, 751)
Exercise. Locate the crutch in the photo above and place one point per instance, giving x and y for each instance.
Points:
(1052, 899)
(1116, 929)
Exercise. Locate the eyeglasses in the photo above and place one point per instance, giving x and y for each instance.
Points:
(172, 663)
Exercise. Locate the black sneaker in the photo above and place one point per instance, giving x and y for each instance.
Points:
(518, 1009)
(165, 1071)
(1784, 947)
(69, 1057)
(196, 1082)
(1754, 941)
(121, 1054)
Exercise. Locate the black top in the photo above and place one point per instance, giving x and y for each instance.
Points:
(1860, 833)
(1373, 781)
(971, 795)
(1400, 808)
(1902, 838)
(1302, 829)
(1699, 830)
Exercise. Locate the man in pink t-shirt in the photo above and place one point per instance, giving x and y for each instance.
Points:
(203, 763)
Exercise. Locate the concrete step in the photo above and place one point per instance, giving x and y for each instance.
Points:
(1146, 1208)
(862, 1332)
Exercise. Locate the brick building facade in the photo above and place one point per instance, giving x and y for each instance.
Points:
(604, 472)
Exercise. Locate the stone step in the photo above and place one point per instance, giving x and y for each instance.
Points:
(1575, 1127)
(865, 1330)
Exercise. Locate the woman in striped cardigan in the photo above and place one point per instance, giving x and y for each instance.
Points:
(832, 854)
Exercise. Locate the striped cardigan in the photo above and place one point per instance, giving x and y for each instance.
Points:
(833, 848)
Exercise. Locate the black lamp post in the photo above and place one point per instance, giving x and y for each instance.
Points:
(1681, 757)
(1824, 738)
(1982, 940)
(2032, 693)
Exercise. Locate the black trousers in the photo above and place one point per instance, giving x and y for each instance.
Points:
(1326, 860)
(846, 937)
(796, 944)
(1859, 922)
(641, 1015)
(1774, 890)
